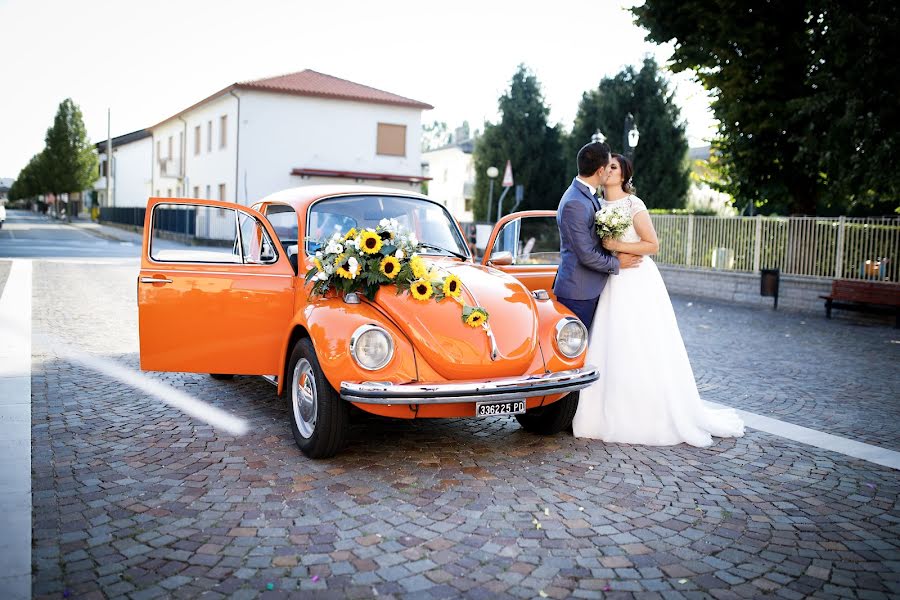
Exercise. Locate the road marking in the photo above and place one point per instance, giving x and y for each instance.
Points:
(818, 439)
(15, 431)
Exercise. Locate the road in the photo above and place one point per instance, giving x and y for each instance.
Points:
(133, 499)
(29, 235)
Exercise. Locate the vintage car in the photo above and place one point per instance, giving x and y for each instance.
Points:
(228, 289)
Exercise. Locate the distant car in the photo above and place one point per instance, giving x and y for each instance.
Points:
(240, 300)
(2, 215)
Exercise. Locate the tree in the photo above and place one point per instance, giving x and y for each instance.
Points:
(435, 135)
(799, 87)
(31, 179)
(70, 162)
(661, 175)
(523, 137)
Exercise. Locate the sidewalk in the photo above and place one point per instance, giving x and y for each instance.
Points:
(121, 233)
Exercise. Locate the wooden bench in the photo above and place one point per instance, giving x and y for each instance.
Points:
(870, 296)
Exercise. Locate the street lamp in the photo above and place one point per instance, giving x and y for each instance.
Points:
(598, 137)
(492, 172)
(632, 135)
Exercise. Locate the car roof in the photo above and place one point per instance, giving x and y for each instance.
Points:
(301, 197)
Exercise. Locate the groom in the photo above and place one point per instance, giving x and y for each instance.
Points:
(584, 263)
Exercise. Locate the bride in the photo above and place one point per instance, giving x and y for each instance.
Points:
(646, 393)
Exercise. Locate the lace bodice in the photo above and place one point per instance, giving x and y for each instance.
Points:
(633, 205)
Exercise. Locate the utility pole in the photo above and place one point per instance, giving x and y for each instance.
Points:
(109, 154)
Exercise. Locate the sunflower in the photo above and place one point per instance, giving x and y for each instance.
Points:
(350, 234)
(370, 242)
(390, 266)
(476, 318)
(344, 269)
(419, 268)
(452, 286)
(421, 289)
(318, 264)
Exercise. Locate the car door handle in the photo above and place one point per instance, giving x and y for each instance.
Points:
(154, 280)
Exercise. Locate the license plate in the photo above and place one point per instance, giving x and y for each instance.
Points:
(493, 409)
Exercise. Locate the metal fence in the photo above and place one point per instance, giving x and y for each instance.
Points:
(824, 247)
(178, 219)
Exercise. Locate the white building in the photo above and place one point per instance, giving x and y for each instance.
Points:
(452, 172)
(254, 138)
(132, 170)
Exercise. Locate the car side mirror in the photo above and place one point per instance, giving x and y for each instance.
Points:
(501, 259)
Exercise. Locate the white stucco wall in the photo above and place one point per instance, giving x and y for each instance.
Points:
(131, 174)
(281, 132)
(450, 170)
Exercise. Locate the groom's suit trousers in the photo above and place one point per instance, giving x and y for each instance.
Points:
(583, 309)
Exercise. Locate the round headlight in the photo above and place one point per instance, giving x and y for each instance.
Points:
(571, 337)
(372, 347)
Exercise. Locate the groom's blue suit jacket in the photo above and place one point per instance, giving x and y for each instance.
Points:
(584, 264)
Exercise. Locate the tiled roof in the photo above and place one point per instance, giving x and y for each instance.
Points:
(313, 83)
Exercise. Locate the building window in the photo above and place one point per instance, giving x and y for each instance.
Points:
(208, 192)
(196, 191)
(169, 190)
(171, 154)
(223, 128)
(391, 140)
(208, 139)
(158, 149)
(222, 192)
(197, 139)
(157, 192)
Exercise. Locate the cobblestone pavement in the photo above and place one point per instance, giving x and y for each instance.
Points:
(132, 499)
(840, 376)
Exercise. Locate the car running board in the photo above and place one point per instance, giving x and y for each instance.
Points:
(273, 379)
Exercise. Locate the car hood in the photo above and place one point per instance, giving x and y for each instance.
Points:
(454, 349)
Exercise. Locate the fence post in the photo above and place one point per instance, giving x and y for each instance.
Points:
(690, 241)
(839, 250)
(757, 245)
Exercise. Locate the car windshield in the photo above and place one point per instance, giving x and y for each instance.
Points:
(431, 222)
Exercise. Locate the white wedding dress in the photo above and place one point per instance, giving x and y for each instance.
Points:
(646, 393)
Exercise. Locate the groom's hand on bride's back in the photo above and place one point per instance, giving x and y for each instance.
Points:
(629, 261)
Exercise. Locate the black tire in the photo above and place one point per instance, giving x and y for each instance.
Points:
(552, 419)
(221, 376)
(319, 424)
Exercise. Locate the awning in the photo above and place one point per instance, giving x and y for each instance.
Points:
(359, 175)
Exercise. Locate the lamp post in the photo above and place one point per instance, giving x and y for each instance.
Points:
(492, 173)
(632, 135)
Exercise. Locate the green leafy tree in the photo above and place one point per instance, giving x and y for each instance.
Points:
(30, 182)
(524, 137)
(662, 174)
(435, 135)
(70, 161)
(799, 87)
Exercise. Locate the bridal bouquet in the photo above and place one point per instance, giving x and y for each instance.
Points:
(611, 222)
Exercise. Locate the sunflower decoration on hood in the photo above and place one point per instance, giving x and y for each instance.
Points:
(364, 259)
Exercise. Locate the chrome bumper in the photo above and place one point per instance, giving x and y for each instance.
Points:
(506, 388)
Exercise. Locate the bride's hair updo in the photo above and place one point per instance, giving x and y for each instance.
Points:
(627, 173)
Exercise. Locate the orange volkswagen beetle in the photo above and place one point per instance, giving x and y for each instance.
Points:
(226, 289)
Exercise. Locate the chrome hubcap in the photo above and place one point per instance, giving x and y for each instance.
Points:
(304, 398)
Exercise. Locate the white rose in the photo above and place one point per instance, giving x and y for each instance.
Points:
(413, 239)
(319, 254)
(384, 222)
(398, 254)
(352, 262)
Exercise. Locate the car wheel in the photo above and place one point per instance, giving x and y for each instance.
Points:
(221, 376)
(551, 419)
(319, 418)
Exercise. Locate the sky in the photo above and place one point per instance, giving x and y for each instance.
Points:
(146, 60)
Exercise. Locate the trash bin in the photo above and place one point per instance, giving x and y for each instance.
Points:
(768, 284)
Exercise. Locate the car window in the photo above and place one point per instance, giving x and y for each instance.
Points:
(283, 219)
(531, 241)
(190, 233)
(256, 243)
(430, 222)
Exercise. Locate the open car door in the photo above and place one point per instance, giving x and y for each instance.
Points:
(526, 245)
(215, 291)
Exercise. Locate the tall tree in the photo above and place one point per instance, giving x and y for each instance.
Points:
(70, 160)
(532, 146)
(799, 87)
(660, 158)
(30, 181)
(435, 135)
